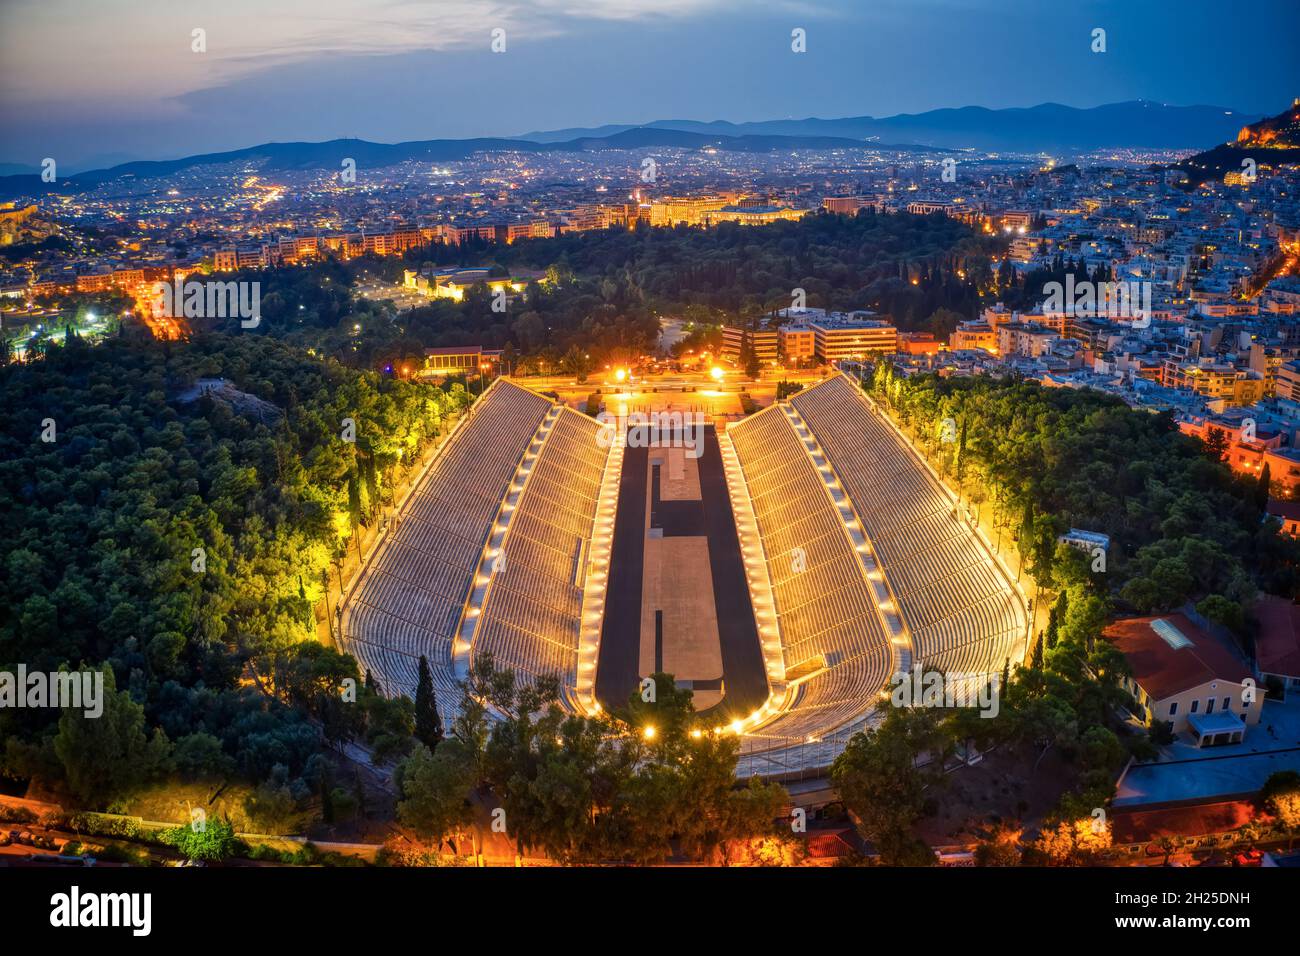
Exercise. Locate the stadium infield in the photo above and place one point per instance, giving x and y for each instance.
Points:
(634, 634)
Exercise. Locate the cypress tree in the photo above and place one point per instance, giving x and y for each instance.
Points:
(1261, 489)
(428, 725)
(1056, 617)
(961, 449)
(309, 618)
(1026, 526)
(354, 499)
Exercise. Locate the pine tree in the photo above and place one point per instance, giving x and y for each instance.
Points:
(428, 725)
(1037, 660)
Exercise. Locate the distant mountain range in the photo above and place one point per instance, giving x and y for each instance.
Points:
(1048, 127)
(330, 155)
(1275, 139)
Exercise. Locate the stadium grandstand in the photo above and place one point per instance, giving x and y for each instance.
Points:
(900, 578)
(854, 558)
(963, 614)
(432, 578)
(834, 640)
(532, 610)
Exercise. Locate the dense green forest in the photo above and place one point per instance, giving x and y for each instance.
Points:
(841, 262)
(181, 542)
(314, 307)
(601, 293)
(1183, 529)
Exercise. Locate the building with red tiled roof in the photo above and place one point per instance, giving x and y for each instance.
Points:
(1185, 676)
(1277, 648)
(1145, 825)
(833, 843)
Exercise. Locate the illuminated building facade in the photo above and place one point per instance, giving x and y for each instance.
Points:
(754, 215)
(459, 358)
(851, 337)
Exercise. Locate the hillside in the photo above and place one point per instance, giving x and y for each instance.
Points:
(1273, 140)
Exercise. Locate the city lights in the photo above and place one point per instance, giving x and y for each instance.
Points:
(417, 447)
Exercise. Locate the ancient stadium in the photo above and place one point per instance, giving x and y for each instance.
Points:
(784, 567)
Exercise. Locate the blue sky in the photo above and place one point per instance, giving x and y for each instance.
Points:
(90, 80)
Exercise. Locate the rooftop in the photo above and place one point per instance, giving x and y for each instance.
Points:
(1277, 647)
(1225, 721)
(1164, 667)
(1225, 776)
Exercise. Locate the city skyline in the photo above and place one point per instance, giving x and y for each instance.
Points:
(129, 86)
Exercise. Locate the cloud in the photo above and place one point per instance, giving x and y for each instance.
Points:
(52, 50)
